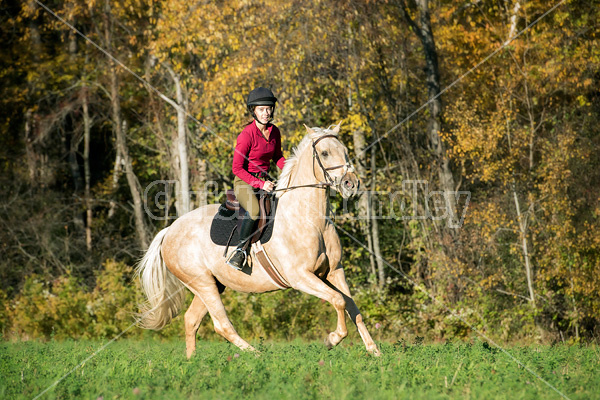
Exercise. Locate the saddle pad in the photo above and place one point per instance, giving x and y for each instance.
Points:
(224, 221)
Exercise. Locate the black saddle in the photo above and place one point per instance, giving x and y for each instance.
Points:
(226, 224)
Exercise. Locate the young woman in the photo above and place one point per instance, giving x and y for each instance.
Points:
(257, 144)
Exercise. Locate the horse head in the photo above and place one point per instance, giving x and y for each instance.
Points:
(331, 163)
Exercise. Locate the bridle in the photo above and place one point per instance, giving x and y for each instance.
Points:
(329, 181)
(347, 166)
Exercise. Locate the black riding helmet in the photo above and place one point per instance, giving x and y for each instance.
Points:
(261, 97)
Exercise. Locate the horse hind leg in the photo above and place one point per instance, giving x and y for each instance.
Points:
(193, 317)
(210, 296)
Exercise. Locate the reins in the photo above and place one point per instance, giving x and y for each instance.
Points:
(321, 185)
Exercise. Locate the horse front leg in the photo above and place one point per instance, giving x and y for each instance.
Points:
(307, 282)
(337, 281)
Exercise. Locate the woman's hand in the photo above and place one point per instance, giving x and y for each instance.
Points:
(268, 186)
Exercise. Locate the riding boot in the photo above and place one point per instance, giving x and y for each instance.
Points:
(238, 258)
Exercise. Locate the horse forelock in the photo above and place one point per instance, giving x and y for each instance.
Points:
(292, 162)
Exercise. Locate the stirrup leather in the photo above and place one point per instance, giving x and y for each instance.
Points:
(233, 253)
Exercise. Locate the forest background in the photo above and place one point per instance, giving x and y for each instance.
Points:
(496, 99)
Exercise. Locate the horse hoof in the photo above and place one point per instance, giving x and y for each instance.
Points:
(328, 343)
(189, 354)
(375, 352)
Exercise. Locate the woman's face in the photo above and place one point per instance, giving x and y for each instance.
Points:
(263, 113)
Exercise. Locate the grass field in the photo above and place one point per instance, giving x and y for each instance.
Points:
(154, 369)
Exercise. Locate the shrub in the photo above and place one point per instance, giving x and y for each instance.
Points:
(63, 308)
(50, 309)
(113, 301)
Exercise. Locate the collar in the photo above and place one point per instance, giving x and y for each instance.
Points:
(256, 130)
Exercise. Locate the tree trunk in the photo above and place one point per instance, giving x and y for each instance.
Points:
(36, 39)
(523, 229)
(86, 167)
(424, 32)
(200, 181)
(375, 225)
(36, 46)
(522, 223)
(75, 138)
(29, 148)
(524, 244)
(359, 139)
(435, 107)
(364, 198)
(183, 186)
(513, 21)
(115, 183)
(122, 148)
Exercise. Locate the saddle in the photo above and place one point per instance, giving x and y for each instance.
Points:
(226, 224)
(264, 203)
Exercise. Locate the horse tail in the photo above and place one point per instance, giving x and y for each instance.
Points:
(164, 291)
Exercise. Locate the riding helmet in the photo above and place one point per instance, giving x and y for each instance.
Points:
(261, 97)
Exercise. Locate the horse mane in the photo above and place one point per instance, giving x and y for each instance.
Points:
(292, 162)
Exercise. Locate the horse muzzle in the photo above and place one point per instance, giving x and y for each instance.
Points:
(349, 185)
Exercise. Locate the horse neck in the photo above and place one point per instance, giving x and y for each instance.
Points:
(308, 204)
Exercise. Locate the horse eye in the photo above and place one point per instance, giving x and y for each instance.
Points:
(325, 153)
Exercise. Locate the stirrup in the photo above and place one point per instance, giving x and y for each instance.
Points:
(228, 262)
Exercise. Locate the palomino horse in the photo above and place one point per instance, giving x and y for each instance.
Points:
(304, 247)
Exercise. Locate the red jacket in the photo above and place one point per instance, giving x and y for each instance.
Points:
(253, 153)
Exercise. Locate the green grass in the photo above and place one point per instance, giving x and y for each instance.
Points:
(154, 369)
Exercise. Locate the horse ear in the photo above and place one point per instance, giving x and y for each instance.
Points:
(308, 129)
(336, 128)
